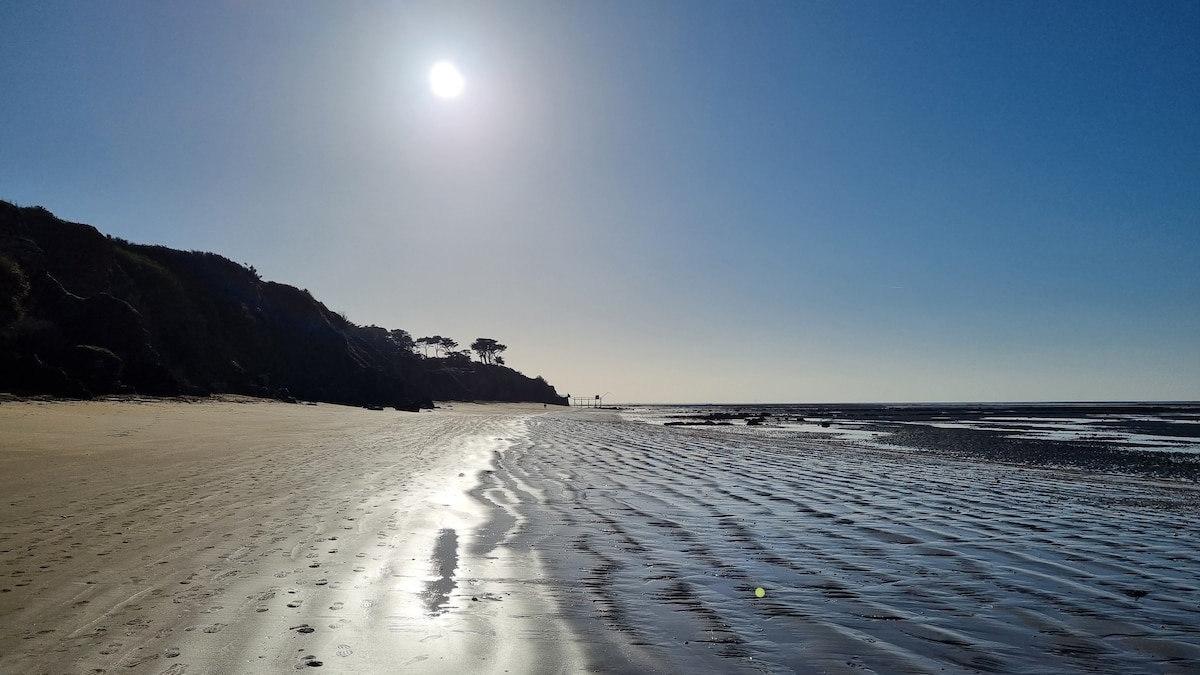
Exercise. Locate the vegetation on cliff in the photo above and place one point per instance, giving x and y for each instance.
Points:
(83, 314)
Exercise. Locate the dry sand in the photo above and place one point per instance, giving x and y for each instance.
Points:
(247, 536)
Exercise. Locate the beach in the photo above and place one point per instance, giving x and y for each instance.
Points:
(247, 536)
(241, 535)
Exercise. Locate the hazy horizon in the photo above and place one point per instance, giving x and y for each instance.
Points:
(900, 403)
(672, 201)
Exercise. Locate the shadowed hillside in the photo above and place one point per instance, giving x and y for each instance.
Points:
(84, 314)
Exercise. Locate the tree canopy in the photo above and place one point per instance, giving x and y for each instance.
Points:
(401, 339)
(488, 350)
(441, 345)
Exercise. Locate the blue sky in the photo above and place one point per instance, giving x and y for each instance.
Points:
(662, 201)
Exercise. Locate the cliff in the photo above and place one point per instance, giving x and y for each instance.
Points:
(84, 314)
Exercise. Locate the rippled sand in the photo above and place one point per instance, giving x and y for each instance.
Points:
(655, 540)
(257, 537)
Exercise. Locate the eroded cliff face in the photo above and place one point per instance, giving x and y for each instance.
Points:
(83, 314)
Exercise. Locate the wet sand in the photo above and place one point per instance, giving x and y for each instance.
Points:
(870, 560)
(243, 536)
(246, 536)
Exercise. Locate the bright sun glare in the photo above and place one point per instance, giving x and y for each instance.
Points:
(445, 79)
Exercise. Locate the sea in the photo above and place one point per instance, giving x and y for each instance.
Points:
(931, 538)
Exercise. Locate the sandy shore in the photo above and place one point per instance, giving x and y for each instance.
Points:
(246, 536)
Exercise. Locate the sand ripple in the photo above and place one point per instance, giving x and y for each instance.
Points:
(655, 539)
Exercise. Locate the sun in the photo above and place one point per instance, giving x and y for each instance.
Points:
(445, 80)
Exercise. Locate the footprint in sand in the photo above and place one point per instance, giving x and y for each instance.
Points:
(303, 628)
(175, 669)
(225, 575)
(214, 628)
(295, 603)
(134, 661)
(171, 652)
(136, 626)
(343, 651)
(336, 606)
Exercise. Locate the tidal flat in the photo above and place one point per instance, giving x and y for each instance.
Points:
(246, 536)
(872, 556)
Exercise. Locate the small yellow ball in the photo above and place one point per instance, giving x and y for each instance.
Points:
(760, 592)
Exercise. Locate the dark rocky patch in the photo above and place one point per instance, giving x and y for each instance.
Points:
(995, 446)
